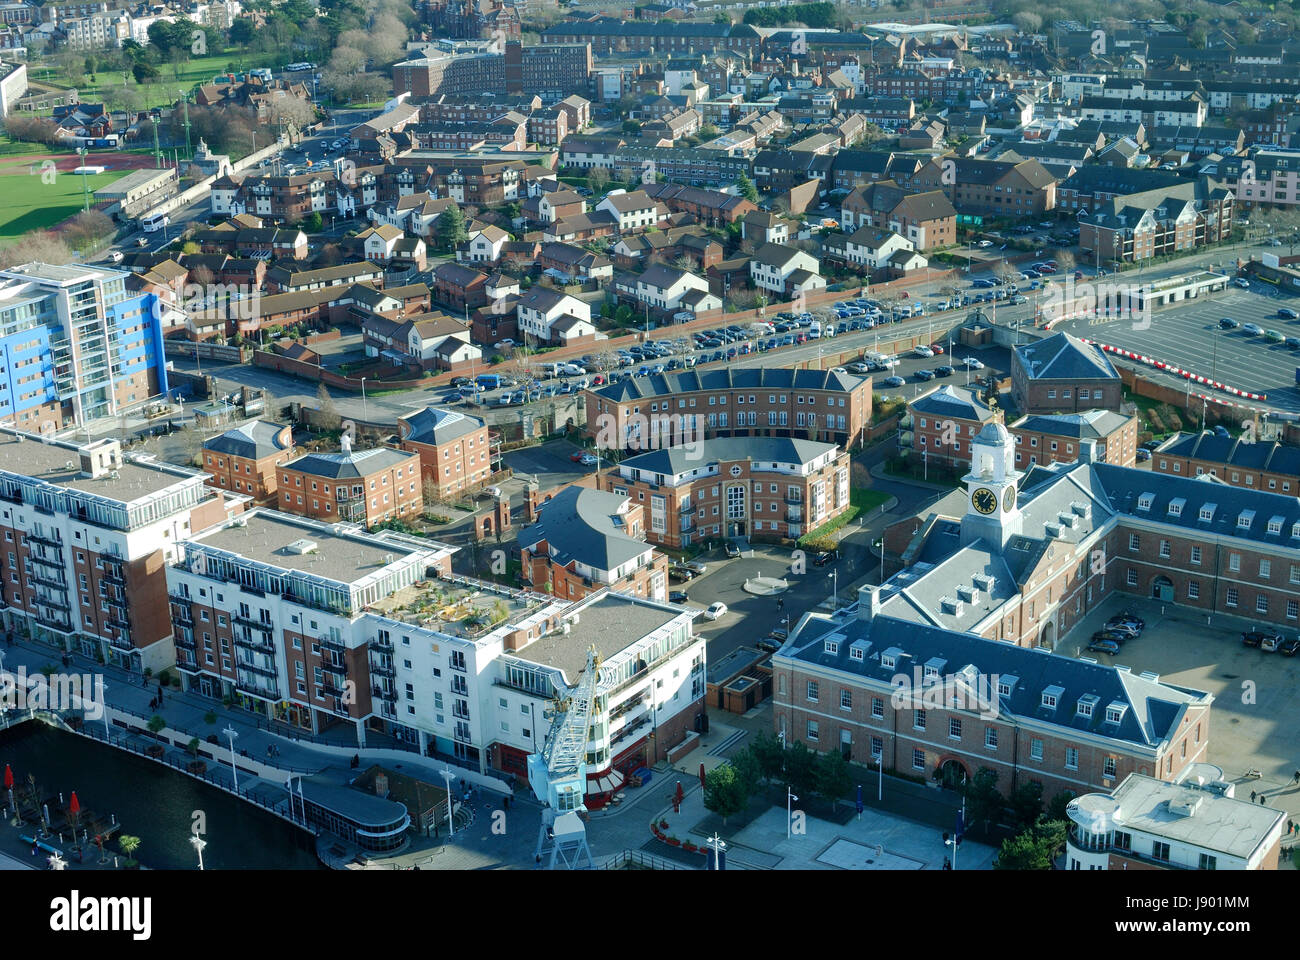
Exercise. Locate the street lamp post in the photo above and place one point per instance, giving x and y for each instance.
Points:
(232, 733)
(790, 798)
(446, 776)
(85, 190)
(365, 410)
(199, 843)
(834, 577)
(880, 764)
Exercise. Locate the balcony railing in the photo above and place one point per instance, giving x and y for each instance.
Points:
(329, 666)
(183, 617)
(257, 646)
(52, 584)
(186, 643)
(383, 693)
(263, 691)
(47, 541)
(180, 598)
(328, 643)
(256, 668)
(794, 516)
(380, 669)
(380, 645)
(252, 624)
(121, 643)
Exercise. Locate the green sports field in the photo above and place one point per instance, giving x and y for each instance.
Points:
(29, 203)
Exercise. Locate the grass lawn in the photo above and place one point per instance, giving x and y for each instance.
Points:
(26, 203)
(165, 89)
(866, 499)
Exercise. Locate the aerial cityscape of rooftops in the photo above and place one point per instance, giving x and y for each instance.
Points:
(688, 435)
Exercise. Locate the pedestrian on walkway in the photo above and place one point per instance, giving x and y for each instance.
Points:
(1261, 800)
(1295, 777)
(1253, 795)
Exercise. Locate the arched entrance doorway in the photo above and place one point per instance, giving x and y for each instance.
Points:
(952, 773)
(1162, 588)
(1047, 636)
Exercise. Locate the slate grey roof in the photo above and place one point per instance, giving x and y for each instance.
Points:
(253, 440)
(952, 401)
(434, 426)
(690, 381)
(1230, 825)
(1232, 451)
(349, 466)
(1063, 357)
(1153, 708)
(677, 460)
(583, 525)
(1091, 424)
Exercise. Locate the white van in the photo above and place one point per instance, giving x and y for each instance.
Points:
(815, 330)
(572, 370)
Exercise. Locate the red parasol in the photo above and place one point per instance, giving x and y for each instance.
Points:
(680, 795)
(74, 805)
(702, 775)
(9, 777)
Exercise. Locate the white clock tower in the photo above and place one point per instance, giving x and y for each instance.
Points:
(992, 504)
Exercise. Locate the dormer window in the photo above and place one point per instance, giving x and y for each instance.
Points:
(1295, 530)
(887, 661)
(1006, 685)
(1085, 705)
(1115, 712)
(1051, 696)
(1145, 501)
(855, 653)
(1207, 512)
(1245, 519)
(1275, 525)
(832, 646)
(1176, 507)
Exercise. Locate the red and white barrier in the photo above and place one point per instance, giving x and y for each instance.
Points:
(1179, 371)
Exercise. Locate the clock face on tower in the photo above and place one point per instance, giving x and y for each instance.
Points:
(1009, 499)
(984, 500)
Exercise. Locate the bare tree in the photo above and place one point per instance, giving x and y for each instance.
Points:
(41, 246)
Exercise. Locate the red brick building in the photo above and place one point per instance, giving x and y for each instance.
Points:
(1260, 465)
(246, 459)
(586, 540)
(1063, 374)
(734, 487)
(365, 486)
(454, 448)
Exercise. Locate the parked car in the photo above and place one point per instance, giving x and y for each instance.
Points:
(1289, 648)
(972, 364)
(943, 371)
(1112, 635)
(1104, 646)
(1273, 336)
(1253, 329)
(732, 550)
(1292, 342)
(697, 567)
(1270, 644)
(1121, 626)
(1286, 313)
(1255, 638)
(588, 460)
(677, 596)
(1143, 455)
(925, 374)
(894, 382)
(1241, 282)
(768, 645)
(680, 573)
(716, 610)
(577, 456)
(825, 557)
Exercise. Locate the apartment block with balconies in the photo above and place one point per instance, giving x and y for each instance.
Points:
(86, 533)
